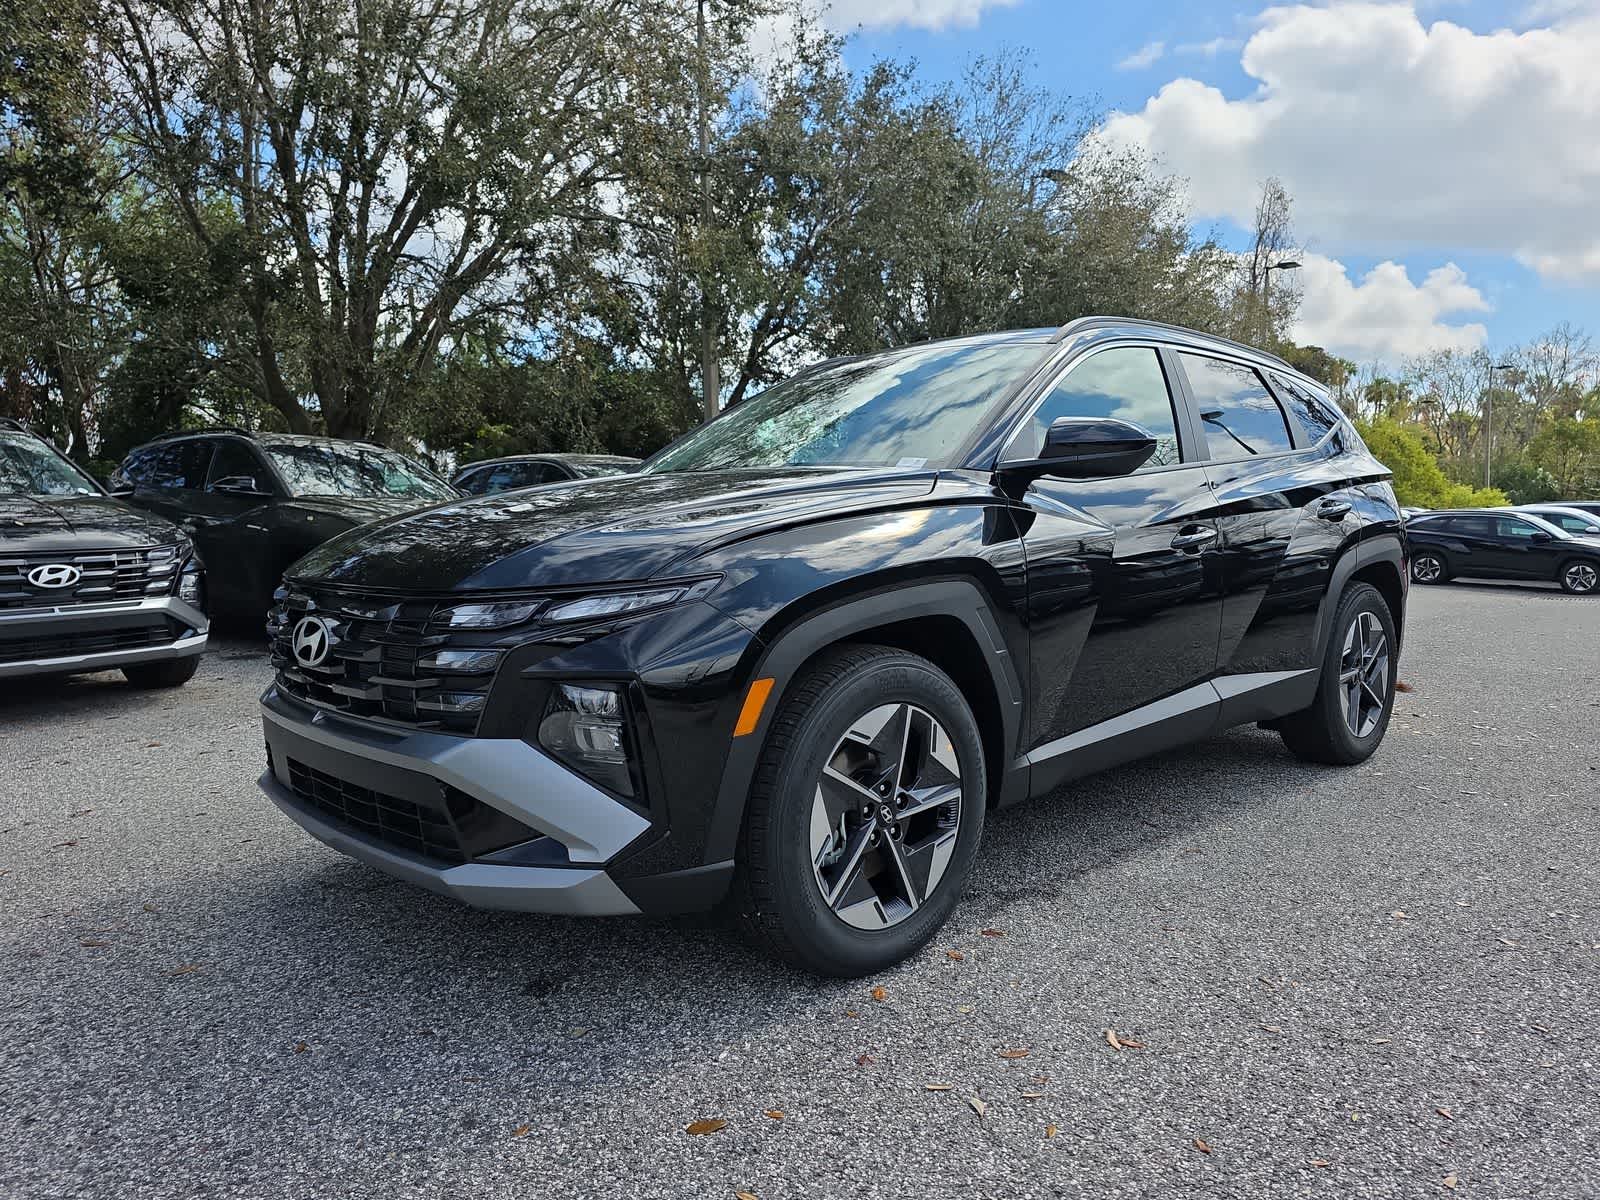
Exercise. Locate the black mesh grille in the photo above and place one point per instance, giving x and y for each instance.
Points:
(103, 575)
(381, 660)
(395, 821)
(66, 645)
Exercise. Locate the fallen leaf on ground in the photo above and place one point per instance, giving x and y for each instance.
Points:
(1400, 916)
(187, 969)
(745, 1196)
(1381, 1041)
(1049, 1131)
(1401, 685)
(1450, 1181)
(521, 1131)
(1202, 1145)
(936, 1087)
(94, 942)
(978, 1106)
(1120, 1042)
(1505, 941)
(151, 908)
(954, 954)
(1018, 1052)
(68, 842)
(850, 1012)
(1320, 1162)
(963, 1008)
(775, 1113)
(301, 1048)
(864, 1060)
(696, 1128)
(1272, 1029)
(1445, 1113)
(1033, 1095)
(992, 932)
(879, 993)
(151, 745)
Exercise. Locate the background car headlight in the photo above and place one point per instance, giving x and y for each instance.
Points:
(584, 726)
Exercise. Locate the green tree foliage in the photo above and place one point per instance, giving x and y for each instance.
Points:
(1569, 451)
(1418, 481)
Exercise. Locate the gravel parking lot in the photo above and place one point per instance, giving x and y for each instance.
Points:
(1368, 982)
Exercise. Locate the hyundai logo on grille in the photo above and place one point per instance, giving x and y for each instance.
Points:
(54, 575)
(313, 638)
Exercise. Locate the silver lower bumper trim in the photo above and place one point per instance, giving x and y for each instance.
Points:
(105, 660)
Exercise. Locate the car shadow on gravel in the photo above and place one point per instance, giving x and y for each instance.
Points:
(303, 947)
(107, 693)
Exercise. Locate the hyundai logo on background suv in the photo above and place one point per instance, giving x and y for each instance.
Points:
(54, 575)
(312, 641)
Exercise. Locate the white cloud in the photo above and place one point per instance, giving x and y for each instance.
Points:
(1392, 135)
(1384, 315)
(845, 15)
(1209, 49)
(1146, 55)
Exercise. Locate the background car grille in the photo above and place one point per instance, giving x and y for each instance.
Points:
(377, 660)
(107, 575)
(65, 645)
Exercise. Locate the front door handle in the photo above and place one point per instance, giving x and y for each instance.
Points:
(1333, 510)
(1193, 537)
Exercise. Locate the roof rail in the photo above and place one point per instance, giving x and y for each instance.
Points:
(178, 433)
(1082, 323)
(14, 423)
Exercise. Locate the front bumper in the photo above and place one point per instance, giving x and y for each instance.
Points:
(574, 827)
(62, 640)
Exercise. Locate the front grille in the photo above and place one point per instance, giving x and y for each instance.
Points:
(378, 663)
(66, 645)
(104, 575)
(448, 826)
(389, 819)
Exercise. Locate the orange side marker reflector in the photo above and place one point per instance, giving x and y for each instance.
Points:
(754, 701)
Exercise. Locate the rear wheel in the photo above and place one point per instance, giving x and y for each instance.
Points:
(1355, 695)
(865, 814)
(173, 673)
(1580, 578)
(1427, 567)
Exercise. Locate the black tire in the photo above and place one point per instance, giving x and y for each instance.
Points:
(1322, 731)
(175, 672)
(1579, 577)
(1428, 567)
(776, 888)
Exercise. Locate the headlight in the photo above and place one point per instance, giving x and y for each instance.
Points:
(595, 608)
(485, 616)
(583, 726)
(466, 662)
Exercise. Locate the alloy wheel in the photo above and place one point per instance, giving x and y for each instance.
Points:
(1427, 569)
(885, 817)
(1364, 674)
(1581, 577)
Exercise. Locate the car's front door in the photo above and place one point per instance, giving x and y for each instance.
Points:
(226, 521)
(1519, 549)
(1124, 606)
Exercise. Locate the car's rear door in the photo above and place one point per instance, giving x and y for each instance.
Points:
(1123, 601)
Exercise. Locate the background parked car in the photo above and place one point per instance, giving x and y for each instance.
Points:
(531, 470)
(1566, 516)
(253, 503)
(1501, 544)
(87, 583)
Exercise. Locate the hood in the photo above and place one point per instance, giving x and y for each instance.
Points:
(359, 509)
(594, 531)
(74, 524)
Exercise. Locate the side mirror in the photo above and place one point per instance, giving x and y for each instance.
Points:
(1542, 537)
(1086, 448)
(238, 485)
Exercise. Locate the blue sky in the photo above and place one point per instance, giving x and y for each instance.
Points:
(1458, 140)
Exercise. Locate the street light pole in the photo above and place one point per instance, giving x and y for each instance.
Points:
(710, 374)
(1287, 264)
(1488, 424)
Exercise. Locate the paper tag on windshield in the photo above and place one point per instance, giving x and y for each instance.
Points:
(913, 463)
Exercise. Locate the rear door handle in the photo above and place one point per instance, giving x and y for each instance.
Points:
(1333, 510)
(1192, 538)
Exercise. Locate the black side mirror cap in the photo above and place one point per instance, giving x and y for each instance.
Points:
(1086, 448)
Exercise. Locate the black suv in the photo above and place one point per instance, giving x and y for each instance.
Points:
(256, 502)
(534, 470)
(87, 583)
(1490, 543)
(807, 647)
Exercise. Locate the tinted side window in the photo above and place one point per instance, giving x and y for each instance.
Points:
(1572, 523)
(234, 459)
(1313, 415)
(1124, 382)
(180, 464)
(473, 483)
(1241, 418)
(135, 470)
(1513, 527)
(1471, 526)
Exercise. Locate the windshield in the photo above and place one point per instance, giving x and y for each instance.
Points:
(30, 468)
(909, 408)
(348, 469)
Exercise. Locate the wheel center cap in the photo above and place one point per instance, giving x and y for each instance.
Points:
(885, 814)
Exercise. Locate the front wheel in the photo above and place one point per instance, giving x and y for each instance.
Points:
(1579, 578)
(1427, 567)
(1355, 695)
(865, 813)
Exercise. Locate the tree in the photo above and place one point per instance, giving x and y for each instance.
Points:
(1418, 481)
(1569, 450)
